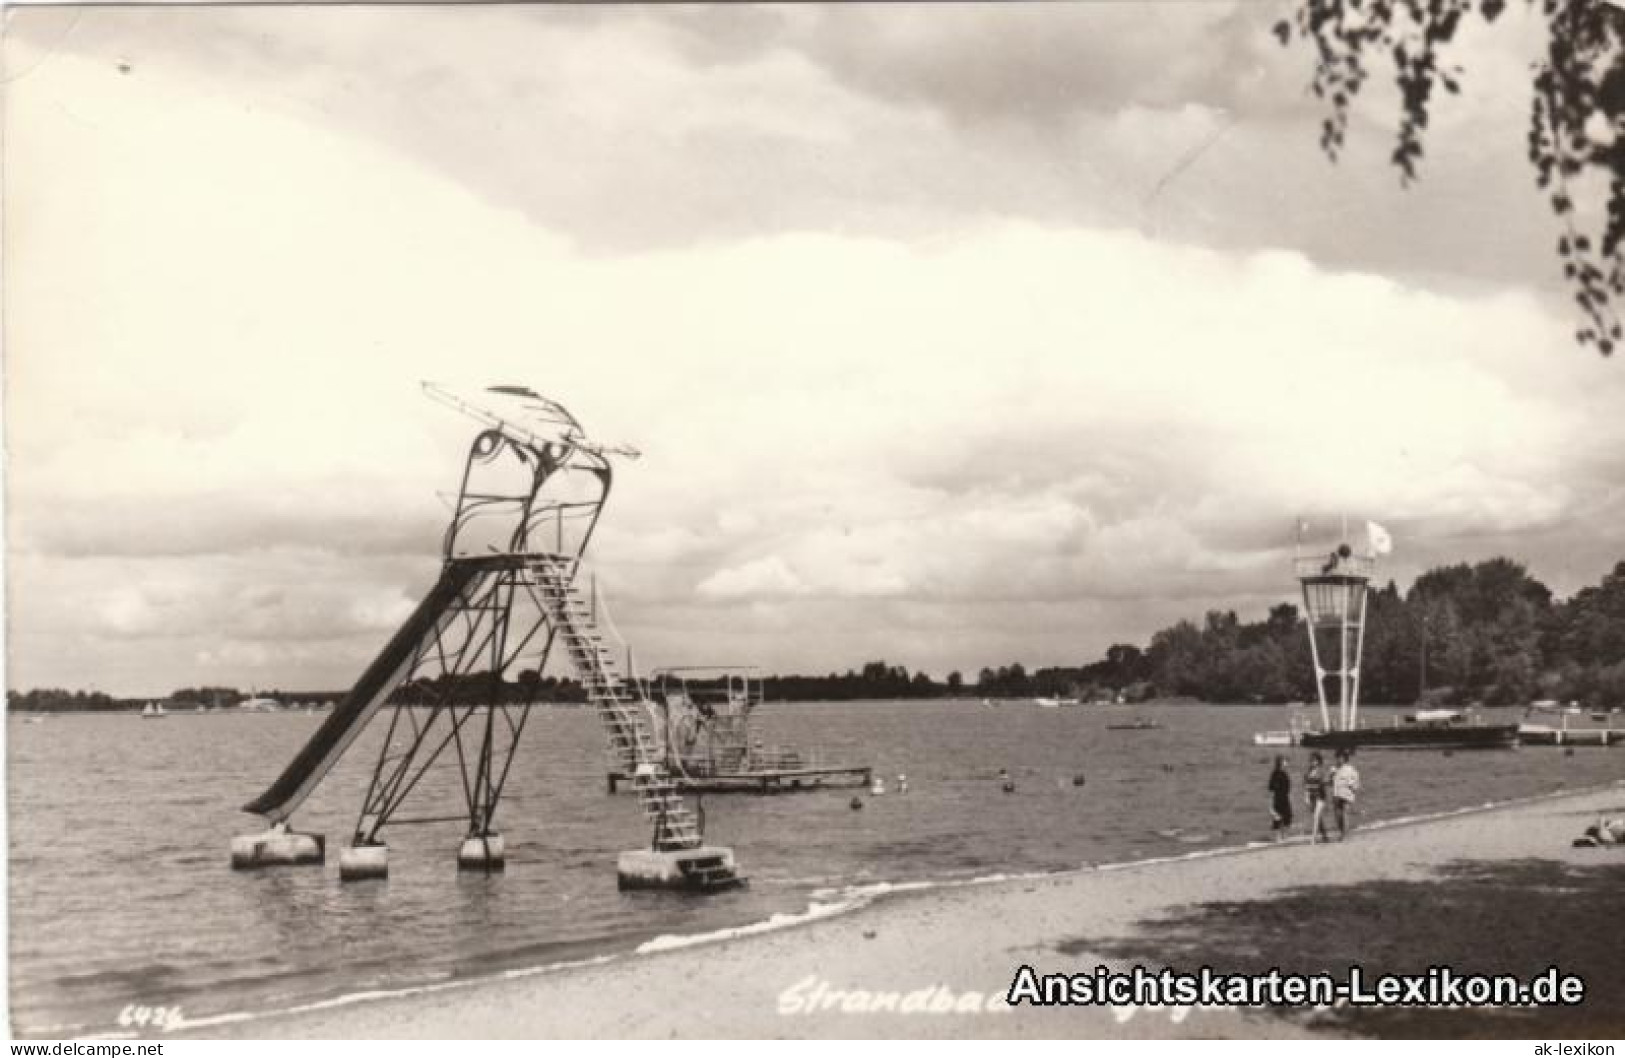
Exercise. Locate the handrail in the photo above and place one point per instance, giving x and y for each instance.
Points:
(1335, 566)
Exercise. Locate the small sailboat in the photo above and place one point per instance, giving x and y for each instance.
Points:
(153, 711)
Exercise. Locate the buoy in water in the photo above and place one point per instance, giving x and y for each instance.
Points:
(878, 787)
(1078, 779)
(902, 783)
(857, 804)
(277, 847)
(363, 861)
(1009, 787)
(481, 853)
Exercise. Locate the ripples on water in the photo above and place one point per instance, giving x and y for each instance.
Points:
(121, 892)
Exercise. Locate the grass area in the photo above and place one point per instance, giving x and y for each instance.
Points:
(1519, 917)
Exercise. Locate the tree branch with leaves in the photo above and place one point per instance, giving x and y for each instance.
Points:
(1576, 125)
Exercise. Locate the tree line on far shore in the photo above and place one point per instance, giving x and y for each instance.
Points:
(1486, 633)
(1483, 633)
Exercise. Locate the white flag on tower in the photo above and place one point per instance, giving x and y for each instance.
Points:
(1381, 542)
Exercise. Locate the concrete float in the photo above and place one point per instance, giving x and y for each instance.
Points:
(704, 869)
(277, 847)
(481, 853)
(359, 862)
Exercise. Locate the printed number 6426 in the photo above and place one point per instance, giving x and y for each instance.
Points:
(143, 1017)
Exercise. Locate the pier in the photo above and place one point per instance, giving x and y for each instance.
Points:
(1546, 735)
(765, 780)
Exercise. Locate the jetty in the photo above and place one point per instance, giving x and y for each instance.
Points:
(767, 780)
(1547, 735)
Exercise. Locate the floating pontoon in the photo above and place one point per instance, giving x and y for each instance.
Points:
(705, 714)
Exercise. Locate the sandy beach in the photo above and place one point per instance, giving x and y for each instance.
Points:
(949, 949)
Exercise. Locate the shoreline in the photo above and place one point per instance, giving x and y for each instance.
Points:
(547, 1000)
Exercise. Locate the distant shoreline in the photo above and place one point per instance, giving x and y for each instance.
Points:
(135, 705)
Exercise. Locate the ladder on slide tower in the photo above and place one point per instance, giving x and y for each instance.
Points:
(620, 703)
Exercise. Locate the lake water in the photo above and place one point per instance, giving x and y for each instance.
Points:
(120, 891)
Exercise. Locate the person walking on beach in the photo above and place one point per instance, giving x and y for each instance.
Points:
(1280, 787)
(1314, 792)
(1345, 785)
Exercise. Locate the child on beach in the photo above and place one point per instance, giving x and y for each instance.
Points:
(1314, 792)
(1603, 832)
(1280, 787)
(1345, 785)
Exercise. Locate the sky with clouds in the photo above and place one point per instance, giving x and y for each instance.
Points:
(950, 335)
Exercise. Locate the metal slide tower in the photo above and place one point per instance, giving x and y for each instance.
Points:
(458, 679)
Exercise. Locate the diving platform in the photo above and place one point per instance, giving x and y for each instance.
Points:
(764, 781)
(703, 715)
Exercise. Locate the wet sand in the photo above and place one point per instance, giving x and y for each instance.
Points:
(864, 973)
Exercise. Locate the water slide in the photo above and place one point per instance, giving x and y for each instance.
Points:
(387, 670)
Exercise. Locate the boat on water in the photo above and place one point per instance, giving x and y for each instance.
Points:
(1138, 724)
(1435, 716)
(153, 711)
(1548, 705)
(1412, 733)
(1056, 703)
(1293, 733)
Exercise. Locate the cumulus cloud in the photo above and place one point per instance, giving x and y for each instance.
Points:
(1029, 425)
(767, 577)
(632, 128)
